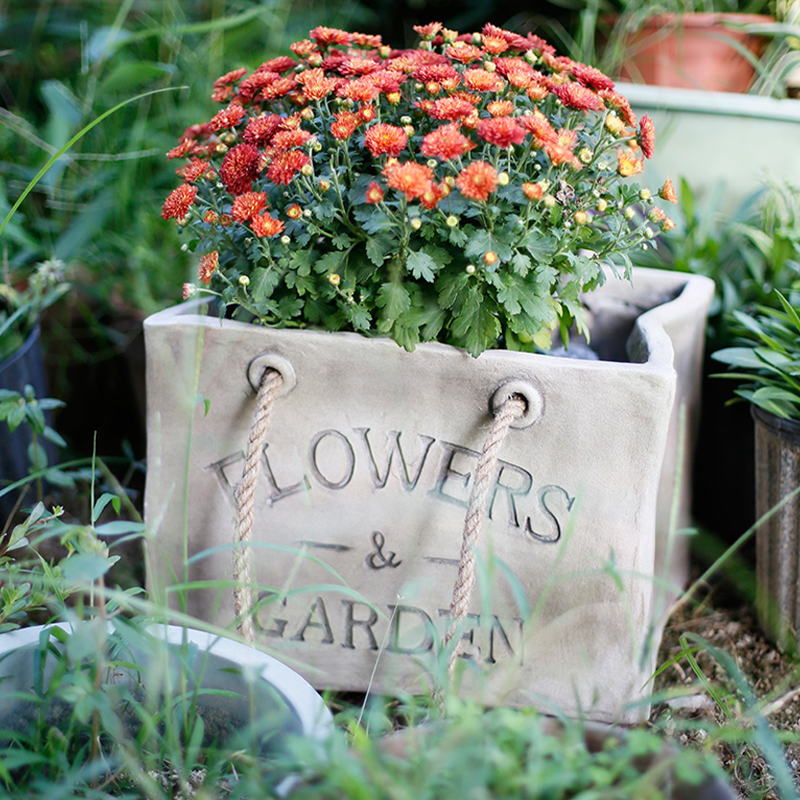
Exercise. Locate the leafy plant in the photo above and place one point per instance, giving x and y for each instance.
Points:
(769, 359)
(468, 191)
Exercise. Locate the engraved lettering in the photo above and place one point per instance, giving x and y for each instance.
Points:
(318, 609)
(264, 604)
(350, 622)
(376, 559)
(276, 492)
(399, 635)
(409, 482)
(498, 628)
(218, 468)
(447, 471)
(511, 491)
(555, 526)
(347, 452)
(467, 635)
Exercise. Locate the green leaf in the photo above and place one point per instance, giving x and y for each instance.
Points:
(119, 526)
(333, 261)
(84, 567)
(15, 417)
(476, 326)
(379, 247)
(102, 502)
(394, 299)
(421, 265)
(357, 316)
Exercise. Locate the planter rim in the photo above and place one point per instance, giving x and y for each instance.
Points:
(706, 19)
(699, 101)
(785, 428)
(650, 345)
(314, 715)
(20, 352)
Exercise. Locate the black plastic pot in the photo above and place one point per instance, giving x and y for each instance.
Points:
(778, 538)
(26, 366)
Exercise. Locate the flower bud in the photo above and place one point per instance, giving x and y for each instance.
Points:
(432, 163)
(409, 130)
(307, 170)
(629, 213)
(334, 279)
(244, 280)
(285, 239)
(489, 66)
(644, 194)
(189, 290)
(324, 185)
(452, 221)
(490, 258)
(581, 217)
(602, 205)
(470, 269)
(503, 179)
(549, 201)
(416, 223)
(307, 213)
(585, 155)
(649, 233)
(307, 114)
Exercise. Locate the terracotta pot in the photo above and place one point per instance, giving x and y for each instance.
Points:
(366, 477)
(693, 51)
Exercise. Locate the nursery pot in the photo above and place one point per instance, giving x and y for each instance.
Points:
(365, 480)
(25, 366)
(239, 686)
(778, 538)
(693, 51)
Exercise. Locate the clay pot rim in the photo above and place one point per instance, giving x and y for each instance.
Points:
(706, 19)
(786, 428)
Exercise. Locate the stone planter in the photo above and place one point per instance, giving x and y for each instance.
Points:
(235, 680)
(778, 539)
(365, 482)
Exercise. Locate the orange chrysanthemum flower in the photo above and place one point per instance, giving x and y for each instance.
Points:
(247, 205)
(304, 48)
(533, 191)
(261, 129)
(628, 164)
(481, 80)
(500, 108)
(359, 90)
(210, 216)
(239, 168)
(667, 192)
(178, 203)
(428, 31)
(578, 96)
(494, 45)
(464, 53)
(366, 39)
(477, 181)
(266, 225)
(433, 194)
(279, 88)
(435, 73)
(410, 178)
(209, 264)
(617, 101)
(279, 64)
(451, 108)
(288, 140)
(328, 36)
(592, 77)
(294, 211)
(344, 125)
(285, 166)
(384, 139)
(355, 66)
(315, 84)
(445, 143)
(501, 131)
(374, 193)
(538, 124)
(646, 136)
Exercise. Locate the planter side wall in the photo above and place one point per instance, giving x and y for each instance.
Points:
(365, 482)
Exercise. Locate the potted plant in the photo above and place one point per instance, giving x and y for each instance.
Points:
(101, 695)
(460, 198)
(767, 363)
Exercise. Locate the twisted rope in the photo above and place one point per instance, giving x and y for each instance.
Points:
(271, 382)
(511, 409)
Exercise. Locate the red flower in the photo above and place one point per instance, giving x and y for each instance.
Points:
(344, 125)
(360, 90)
(477, 181)
(384, 139)
(410, 178)
(464, 53)
(538, 124)
(374, 193)
(445, 143)
(178, 203)
(285, 166)
(428, 31)
(618, 101)
(261, 129)
(228, 117)
(279, 64)
(279, 88)
(304, 48)
(266, 225)
(294, 211)
(239, 168)
(576, 95)
(435, 73)
(288, 140)
(247, 205)
(354, 66)
(194, 170)
(500, 108)
(646, 136)
(209, 264)
(502, 131)
(315, 84)
(591, 77)
(533, 191)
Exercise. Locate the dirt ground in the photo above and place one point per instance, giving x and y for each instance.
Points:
(701, 720)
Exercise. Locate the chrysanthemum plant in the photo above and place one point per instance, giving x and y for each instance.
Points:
(466, 191)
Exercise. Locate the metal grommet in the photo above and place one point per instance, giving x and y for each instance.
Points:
(534, 402)
(265, 361)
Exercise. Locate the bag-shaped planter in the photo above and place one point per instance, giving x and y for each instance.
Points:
(366, 476)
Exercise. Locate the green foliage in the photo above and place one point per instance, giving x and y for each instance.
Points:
(769, 359)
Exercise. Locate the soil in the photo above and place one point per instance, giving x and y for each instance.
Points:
(697, 719)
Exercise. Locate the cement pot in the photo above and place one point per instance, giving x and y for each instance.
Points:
(239, 686)
(365, 482)
(778, 539)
